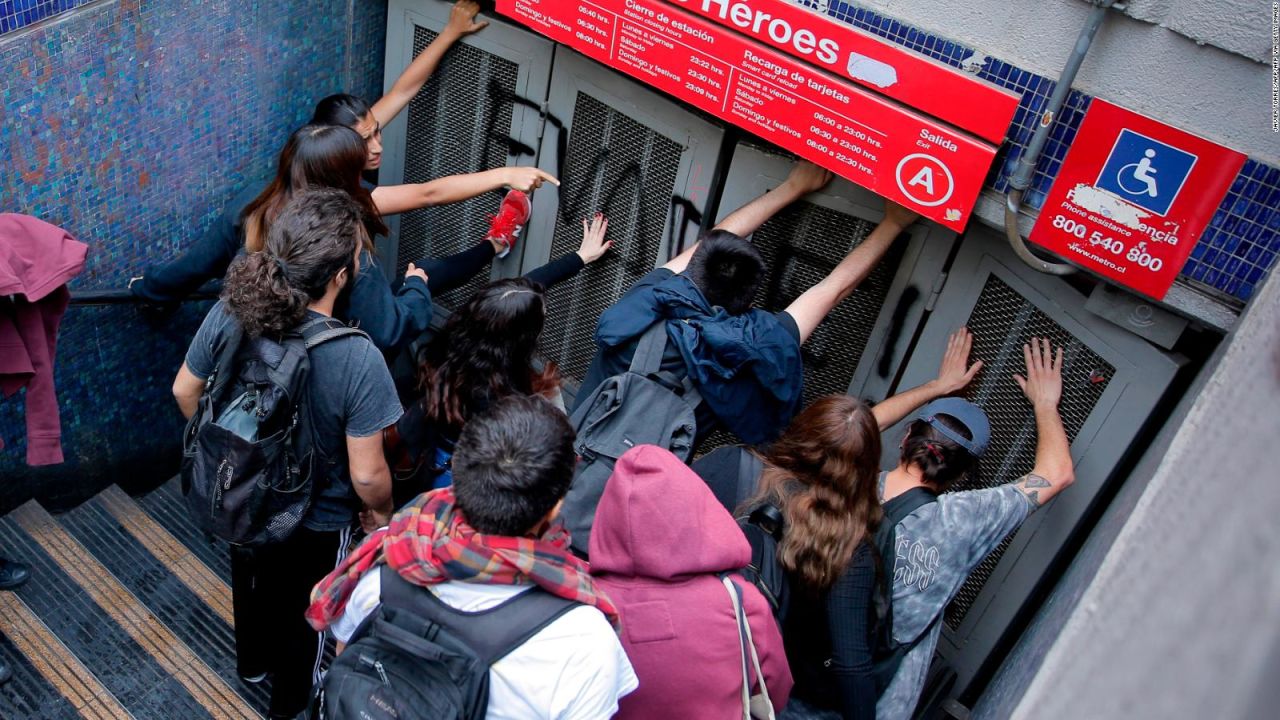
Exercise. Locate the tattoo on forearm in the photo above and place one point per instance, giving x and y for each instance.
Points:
(1030, 486)
(1032, 480)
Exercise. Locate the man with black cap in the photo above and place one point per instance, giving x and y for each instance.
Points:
(943, 537)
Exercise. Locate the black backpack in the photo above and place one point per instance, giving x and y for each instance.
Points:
(886, 653)
(763, 528)
(416, 658)
(642, 406)
(248, 451)
(419, 455)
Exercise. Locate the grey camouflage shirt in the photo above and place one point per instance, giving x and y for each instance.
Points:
(937, 546)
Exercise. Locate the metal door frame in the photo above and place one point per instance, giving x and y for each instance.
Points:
(1142, 376)
(532, 54)
(700, 139)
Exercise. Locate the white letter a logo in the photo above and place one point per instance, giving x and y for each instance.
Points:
(925, 178)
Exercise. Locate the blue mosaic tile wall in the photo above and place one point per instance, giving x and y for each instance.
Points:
(130, 123)
(1235, 253)
(16, 14)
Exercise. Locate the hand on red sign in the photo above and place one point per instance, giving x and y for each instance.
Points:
(806, 177)
(462, 19)
(899, 215)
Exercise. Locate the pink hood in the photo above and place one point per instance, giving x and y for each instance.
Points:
(659, 542)
(36, 258)
(658, 519)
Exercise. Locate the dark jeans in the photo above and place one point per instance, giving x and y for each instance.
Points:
(270, 590)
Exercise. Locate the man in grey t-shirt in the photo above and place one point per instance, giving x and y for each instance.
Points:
(311, 256)
(940, 543)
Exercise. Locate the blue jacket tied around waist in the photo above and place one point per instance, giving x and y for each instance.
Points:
(747, 367)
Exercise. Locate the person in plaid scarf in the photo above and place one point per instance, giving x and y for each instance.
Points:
(486, 539)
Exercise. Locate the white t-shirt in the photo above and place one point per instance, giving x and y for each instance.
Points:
(573, 669)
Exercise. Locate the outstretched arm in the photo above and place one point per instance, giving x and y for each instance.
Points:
(953, 376)
(392, 199)
(1043, 387)
(462, 21)
(813, 305)
(804, 178)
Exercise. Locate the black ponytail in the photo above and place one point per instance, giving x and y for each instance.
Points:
(340, 109)
(941, 461)
(314, 238)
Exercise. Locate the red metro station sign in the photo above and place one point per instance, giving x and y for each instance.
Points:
(1133, 197)
(816, 100)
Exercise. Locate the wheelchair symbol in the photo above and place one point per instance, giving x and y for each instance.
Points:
(1139, 172)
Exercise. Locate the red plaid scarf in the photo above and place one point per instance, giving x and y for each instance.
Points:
(429, 542)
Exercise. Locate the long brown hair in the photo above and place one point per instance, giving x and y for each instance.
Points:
(822, 474)
(329, 156)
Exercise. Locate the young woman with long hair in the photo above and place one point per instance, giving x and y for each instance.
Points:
(210, 255)
(484, 353)
(822, 476)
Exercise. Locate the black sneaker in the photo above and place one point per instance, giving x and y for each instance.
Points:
(5, 672)
(12, 574)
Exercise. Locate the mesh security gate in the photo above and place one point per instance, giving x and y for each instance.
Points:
(618, 166)
(623, 150)
(460, 122)
(801, 245)
(1002, 321)
(1112, 381)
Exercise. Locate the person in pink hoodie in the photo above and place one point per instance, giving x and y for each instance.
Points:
(659, 545)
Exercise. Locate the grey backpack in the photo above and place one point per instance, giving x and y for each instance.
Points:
(642, 406)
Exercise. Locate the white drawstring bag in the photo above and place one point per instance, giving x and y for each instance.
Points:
(757, 706)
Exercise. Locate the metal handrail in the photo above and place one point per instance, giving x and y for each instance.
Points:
(124, 296)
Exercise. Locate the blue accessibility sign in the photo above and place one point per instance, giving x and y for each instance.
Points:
(1146, 172)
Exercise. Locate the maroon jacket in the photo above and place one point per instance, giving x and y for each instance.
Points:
(36, 261)
(659, 540)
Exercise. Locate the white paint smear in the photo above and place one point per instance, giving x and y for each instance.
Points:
(870, 70)
(1107, 205)
(973, 63)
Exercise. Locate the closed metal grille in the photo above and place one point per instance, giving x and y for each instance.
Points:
(616, 165)
(801, 245)
(459, 123)
(1002, 321)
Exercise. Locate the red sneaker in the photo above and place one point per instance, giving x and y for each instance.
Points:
(512, 215)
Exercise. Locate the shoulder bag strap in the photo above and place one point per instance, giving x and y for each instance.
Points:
(653, 343)
(742, 642)
(761, 705)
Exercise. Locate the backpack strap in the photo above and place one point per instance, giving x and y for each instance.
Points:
(491, 634)
(653, 343)
(647, 361)
(320, 330)
(749, 468)
(895, 511)
(224, 363)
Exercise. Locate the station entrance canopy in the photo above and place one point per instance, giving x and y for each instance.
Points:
(905, 127)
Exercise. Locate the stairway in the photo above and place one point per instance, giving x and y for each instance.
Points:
(127, 615)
